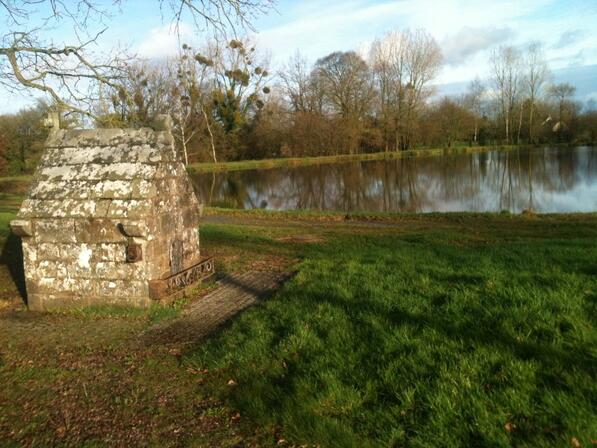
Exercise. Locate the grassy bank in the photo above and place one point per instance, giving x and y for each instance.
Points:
(469, 332)
(409, 330)
(321, 160)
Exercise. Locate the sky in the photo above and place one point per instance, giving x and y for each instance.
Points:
(467, 31)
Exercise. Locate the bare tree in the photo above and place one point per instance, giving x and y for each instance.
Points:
(190, 94)
(404, 63)
(72, 75)
(474, 102)
(448, 122)
(222, 17)
(240, 77)
(347, 83)
(68, 75)
(296, 84)
(506, 78)
(388, 61)
(535, 76)
(143, 93)
(562, 93)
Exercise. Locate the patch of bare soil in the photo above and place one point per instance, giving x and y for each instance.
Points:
(301, 239)
(68, 379)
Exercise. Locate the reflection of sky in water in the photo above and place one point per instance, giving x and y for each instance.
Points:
(545, 179)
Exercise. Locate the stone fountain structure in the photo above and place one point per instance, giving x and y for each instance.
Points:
(110, 218)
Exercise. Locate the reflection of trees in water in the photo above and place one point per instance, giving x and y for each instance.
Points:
(512, 180)
(591, 171)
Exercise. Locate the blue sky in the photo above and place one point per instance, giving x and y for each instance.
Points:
(466, 30)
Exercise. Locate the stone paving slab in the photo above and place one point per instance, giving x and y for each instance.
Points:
(235, 293)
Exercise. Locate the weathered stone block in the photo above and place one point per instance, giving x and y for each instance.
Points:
(101, 208)
(59, 173)
(167, 225)
(54, 231)
(71, 251)
(118, 271)
(80, 208)
(133, 209)
(149, 154)
(21, 227)
(116, 189)
(52, 190)
(169, 170)
(143, 189)
(98, 231)
(190, 215)
(134, 228)
(48, 251)
(126, 171)
(121, 288)
(63, 286)
(80, 272)
(115, 252)
(50, 269)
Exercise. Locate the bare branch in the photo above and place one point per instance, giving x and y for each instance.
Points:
(72, 75)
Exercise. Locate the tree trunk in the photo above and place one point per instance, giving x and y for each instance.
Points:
(211, 135)
(519, 123)
(532, 106)
(183, 140)
(476, 129)
(507, 128)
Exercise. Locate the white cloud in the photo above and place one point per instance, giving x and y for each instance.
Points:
(466, 29)
(164, 41)
(317, 28)
(568, 38)
(458, 48)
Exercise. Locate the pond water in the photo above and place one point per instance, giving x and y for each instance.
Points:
(545, 179)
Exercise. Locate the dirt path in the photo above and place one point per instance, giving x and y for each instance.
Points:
(234, 293)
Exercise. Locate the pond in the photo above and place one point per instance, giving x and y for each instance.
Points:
(550, 179)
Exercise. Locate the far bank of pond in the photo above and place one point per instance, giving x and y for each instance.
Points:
(542, 179)
(291, 162)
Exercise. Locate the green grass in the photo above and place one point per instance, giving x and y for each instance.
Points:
(5, 218)
(157, 312)
(342, 158)
(479, 332)
(22, 178)
(10, 203)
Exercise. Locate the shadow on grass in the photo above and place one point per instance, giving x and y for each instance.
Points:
(193, 328)
(12, 257)
(275, 390)
(482, 331)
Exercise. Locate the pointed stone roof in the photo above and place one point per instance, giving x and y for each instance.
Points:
(101, 173)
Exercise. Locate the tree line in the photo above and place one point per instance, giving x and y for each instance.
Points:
(227, 104)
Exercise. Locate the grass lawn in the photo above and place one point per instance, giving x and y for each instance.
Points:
(467, 332)
(421, 330)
